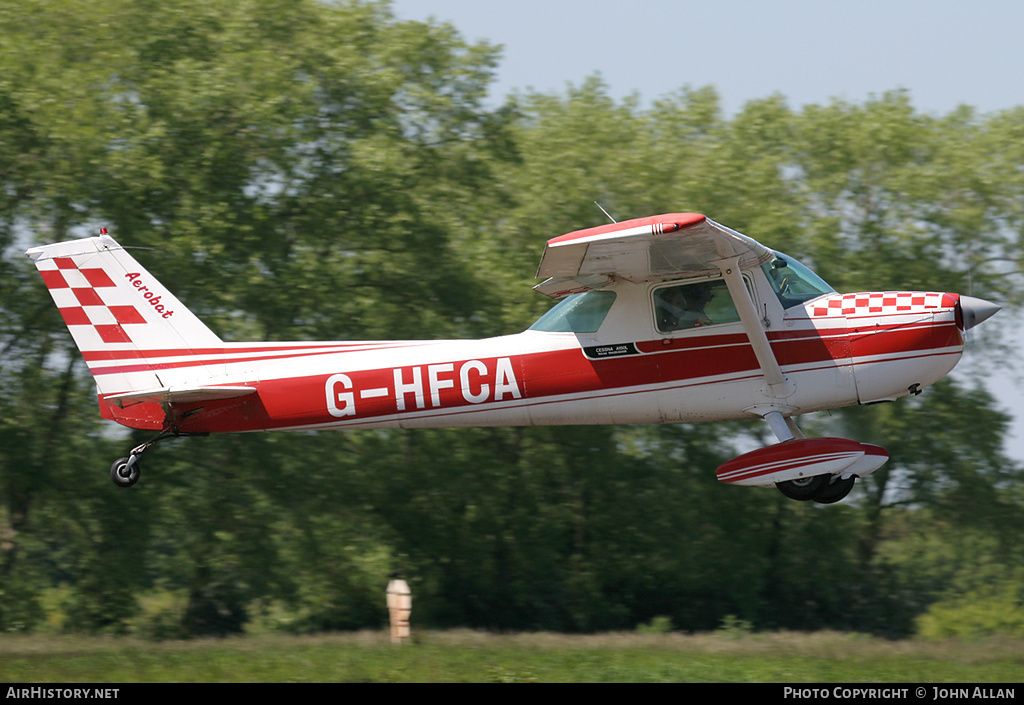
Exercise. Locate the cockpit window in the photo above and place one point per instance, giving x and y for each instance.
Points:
(577, 313)
(684, 306)
(793, 282)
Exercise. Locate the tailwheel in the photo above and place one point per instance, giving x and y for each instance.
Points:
(804, 488)
(125, 471)
(835, 489)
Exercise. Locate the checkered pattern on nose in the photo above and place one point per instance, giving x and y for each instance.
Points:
(88, 302)
(878, 302)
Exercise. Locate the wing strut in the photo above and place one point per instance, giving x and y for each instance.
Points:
(779, 387)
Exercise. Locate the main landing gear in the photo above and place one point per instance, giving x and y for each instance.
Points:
(823, 489)
(832, 465)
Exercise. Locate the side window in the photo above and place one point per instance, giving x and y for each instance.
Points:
(686, 306)
(577, 313)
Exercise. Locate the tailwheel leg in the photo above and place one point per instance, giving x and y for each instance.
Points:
(125, 471)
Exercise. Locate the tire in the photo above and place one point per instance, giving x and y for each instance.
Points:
(803, 489)
(835, 490)
(122, 475)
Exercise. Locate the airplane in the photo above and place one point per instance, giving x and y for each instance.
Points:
(671, 318)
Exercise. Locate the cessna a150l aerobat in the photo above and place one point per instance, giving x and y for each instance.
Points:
(667, 319)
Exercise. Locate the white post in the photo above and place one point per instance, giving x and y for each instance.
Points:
(399, 609)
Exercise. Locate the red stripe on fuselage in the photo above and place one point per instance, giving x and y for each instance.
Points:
(869, 341)
(220, 356)
(458, 387)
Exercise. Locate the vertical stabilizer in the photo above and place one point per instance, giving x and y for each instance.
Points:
(119, 315)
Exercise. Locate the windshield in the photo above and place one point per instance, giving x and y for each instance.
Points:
(578, 313)
(793, 282)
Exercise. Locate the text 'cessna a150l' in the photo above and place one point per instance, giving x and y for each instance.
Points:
(667, 319)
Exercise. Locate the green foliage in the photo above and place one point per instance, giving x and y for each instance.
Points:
(995, 612)
(311, 170)
(734, 628)
(657, 625)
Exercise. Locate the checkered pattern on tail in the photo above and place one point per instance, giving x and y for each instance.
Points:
(116, 310)
(83, 304)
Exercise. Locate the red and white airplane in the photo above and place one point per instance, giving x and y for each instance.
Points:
(668, 319)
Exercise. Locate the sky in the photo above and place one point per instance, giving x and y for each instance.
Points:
(944, 53)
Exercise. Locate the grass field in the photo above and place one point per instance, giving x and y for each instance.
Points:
(462, 656)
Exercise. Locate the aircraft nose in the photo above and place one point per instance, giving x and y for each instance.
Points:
(976, 311)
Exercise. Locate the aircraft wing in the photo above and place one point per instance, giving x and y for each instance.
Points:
(670, 246)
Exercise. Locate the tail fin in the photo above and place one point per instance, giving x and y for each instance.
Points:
(120, 316)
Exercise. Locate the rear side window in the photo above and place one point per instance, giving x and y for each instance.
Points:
(577, 313)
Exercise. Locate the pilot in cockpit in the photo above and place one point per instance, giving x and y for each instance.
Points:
(682, 307)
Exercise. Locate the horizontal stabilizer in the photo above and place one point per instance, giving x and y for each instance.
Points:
(165, 395)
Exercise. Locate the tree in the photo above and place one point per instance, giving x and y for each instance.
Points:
(321, 170)
(293, 165)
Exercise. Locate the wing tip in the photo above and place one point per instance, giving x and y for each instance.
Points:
(680, 220)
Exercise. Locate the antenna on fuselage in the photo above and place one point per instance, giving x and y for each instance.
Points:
(605, 212)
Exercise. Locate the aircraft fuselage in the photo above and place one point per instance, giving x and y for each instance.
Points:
(835, 350)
